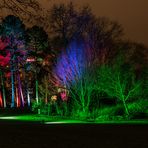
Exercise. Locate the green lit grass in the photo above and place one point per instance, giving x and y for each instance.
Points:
(57, 120)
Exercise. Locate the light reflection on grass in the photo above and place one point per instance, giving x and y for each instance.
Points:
(55, 120)
(8, 118)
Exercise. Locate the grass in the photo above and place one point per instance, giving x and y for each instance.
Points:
(58, 120)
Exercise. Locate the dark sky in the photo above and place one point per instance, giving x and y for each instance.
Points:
(132, 14)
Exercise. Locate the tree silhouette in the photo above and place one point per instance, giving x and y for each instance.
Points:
(29, 11)
(67, 23)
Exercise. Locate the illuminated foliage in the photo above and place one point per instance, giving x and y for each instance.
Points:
(119, 84)
(74, 72)
(37, 43)
(70, 64)
(13, 30)
(90, 64)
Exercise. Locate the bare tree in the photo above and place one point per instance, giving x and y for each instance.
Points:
(119, 84)
(29, 11)
(67, 22)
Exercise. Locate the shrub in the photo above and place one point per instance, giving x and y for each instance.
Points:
(111, 113)
(138, 109)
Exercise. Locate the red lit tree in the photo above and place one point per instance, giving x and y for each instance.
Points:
(4, 61)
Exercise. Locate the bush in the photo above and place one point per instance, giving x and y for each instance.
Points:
(111, 113)
(138, 109)
(79, 114)
(51, 109)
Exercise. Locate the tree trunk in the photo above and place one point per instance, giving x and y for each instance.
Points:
(36, 91)
(3, 90)
(46, 90)
(27, 88)
(12, 88)
(17, 98)
(126, 108)
(1, 100)
(28, 97)
(20, 89)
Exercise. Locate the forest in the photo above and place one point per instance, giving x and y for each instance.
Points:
(69, 63)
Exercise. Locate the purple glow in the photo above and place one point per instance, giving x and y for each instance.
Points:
(71, 63)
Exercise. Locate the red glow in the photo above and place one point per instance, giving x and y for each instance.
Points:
(64, 96)
(3, 44)
(1, 100)
(17, 98)
(4, 60)
(7, 75)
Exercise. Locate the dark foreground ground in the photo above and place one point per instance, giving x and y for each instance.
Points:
(35, 135)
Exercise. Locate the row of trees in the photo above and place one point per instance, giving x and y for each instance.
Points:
(18, 47)
(85, 80)
(82, 60)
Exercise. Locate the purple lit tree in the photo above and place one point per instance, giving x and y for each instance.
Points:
(70, 64)
(74, 72)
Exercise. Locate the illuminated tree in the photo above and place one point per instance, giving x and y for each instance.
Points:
(74, 72)
(37, 42)
(134, 56)
(13, 29)
(4, 61)
(119, 84)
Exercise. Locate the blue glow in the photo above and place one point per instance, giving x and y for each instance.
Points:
(71, 64)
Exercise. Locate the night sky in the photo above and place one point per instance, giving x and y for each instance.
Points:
(132, 14)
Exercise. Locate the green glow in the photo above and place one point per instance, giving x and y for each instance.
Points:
(36, 91)
(9, 118)
(121, 85)
(51, 120)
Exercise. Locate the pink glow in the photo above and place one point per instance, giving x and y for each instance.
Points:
(4, 60)
(30, 60)
(1, 100)
(64, 96)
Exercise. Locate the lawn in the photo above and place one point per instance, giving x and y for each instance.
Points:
(58, 120)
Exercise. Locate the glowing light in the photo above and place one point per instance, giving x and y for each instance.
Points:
(17, 98)
(1, 100)
(28, 98)
(30, 60)
(54, 98)
(64, 96)
(71, 64)
(8, 118)
(57, 122)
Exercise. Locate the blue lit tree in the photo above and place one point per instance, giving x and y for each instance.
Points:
(70, 64)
